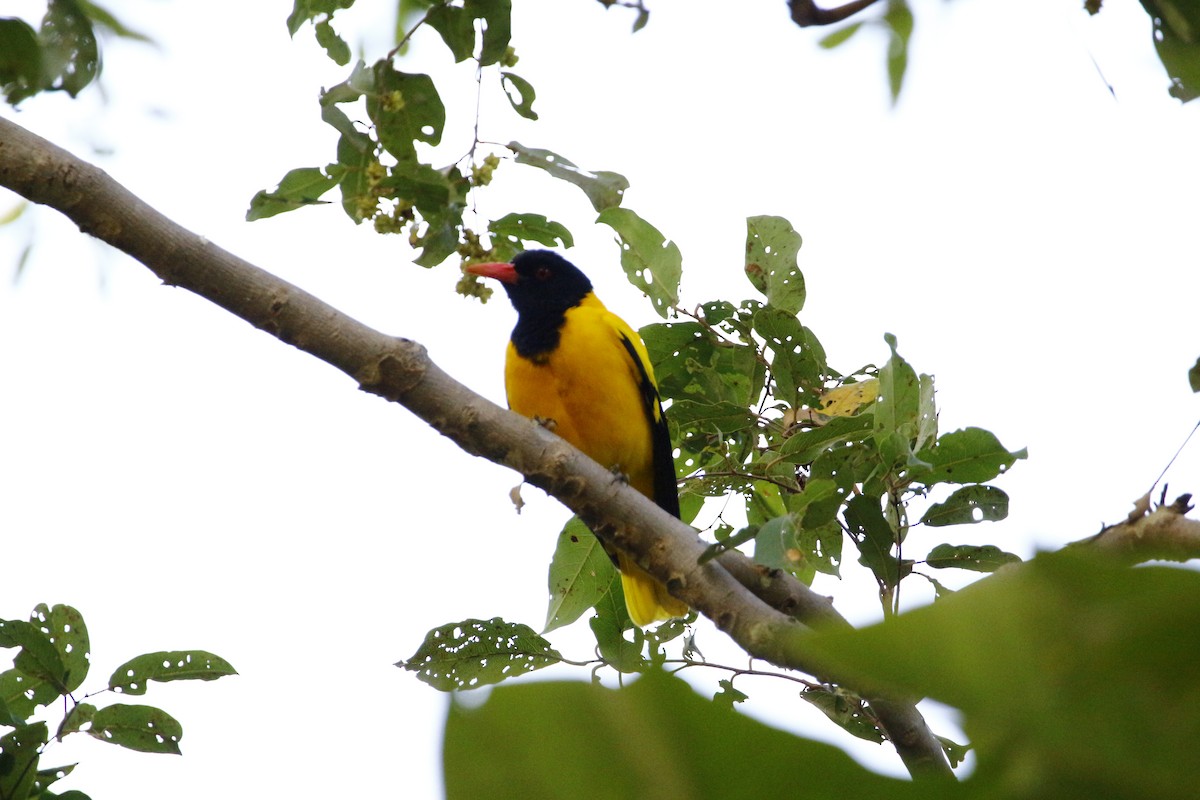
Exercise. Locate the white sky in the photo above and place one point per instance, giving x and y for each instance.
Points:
(188, 482)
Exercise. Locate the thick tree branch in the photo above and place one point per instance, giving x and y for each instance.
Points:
(758, 608)
(1162, 533)
(806, 12)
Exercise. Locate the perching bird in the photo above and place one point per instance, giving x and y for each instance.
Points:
(578, 367)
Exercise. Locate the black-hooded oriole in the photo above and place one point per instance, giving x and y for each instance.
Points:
(576, 366)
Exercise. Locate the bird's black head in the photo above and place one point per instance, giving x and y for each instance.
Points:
(546, 285)
(542, 286)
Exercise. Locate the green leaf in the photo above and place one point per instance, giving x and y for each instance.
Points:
(70, 53)
(689, 365)
(970, 455)
(845, 710)
(406, 109)
(955, 753)
(1194, 376)
(720, 417)
(623, 655)
(65, 628)
(969, 504)
(874, 538)
(21, 693)
(897, 409)
(977, 558)
(518, 228)
(7, 718)
(652, 264)
(456, 27)
(143, 728)
(497, 27)
(728, 696)
(334, 45)
(298, 188)
(79, 716)
(899, 21)
(47, 777)
(805, 446)
(840, 36)
(105, 19)
(523, 103)
(19, 753)
(580, 575)
(357, 160)
(1176, 24)
(653, 739)
(603, 189)
(473, 653)
(70, 794)
(304, 10)
(168, 665)
(797, 357)
(38, 658)
(818, 504)
(20, 60)
(432, 191)
(783, 544)
(927, 427)
(1073, 675)
(771, 249)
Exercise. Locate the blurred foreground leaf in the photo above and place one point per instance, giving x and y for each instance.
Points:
(656, 738)
(1076, 677)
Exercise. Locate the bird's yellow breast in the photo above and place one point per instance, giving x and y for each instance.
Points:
(589, 386)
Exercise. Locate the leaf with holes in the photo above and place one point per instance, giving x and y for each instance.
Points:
(299, 187)
(845, 710)
(474, 652)
(977, 558)
(729, 695)
(970, 455)
(143, 728)
(581, 573)
(969, 504)
(518, 228)
(305, 10)
(651, 263)
(77, 718)
(406, 108)
(70, 52)
(19, 752)
(334, 45)
(772, 245)
(168, 665)
(603, 189)
(797, 357)
(65, 627)
(525, 95)
(38, 657)
(21, 694)
(48, 776)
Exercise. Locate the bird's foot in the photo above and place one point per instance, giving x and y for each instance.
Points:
(618, 475)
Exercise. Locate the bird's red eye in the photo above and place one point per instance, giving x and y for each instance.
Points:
(542, 273)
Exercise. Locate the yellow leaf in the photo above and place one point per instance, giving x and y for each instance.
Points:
(848, 400)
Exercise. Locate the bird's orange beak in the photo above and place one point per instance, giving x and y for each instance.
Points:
(505, 273)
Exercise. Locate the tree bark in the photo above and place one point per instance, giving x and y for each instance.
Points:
(767, 612)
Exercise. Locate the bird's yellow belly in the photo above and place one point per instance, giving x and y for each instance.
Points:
(591, 398)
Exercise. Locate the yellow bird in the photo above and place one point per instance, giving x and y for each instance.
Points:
(576, 366)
